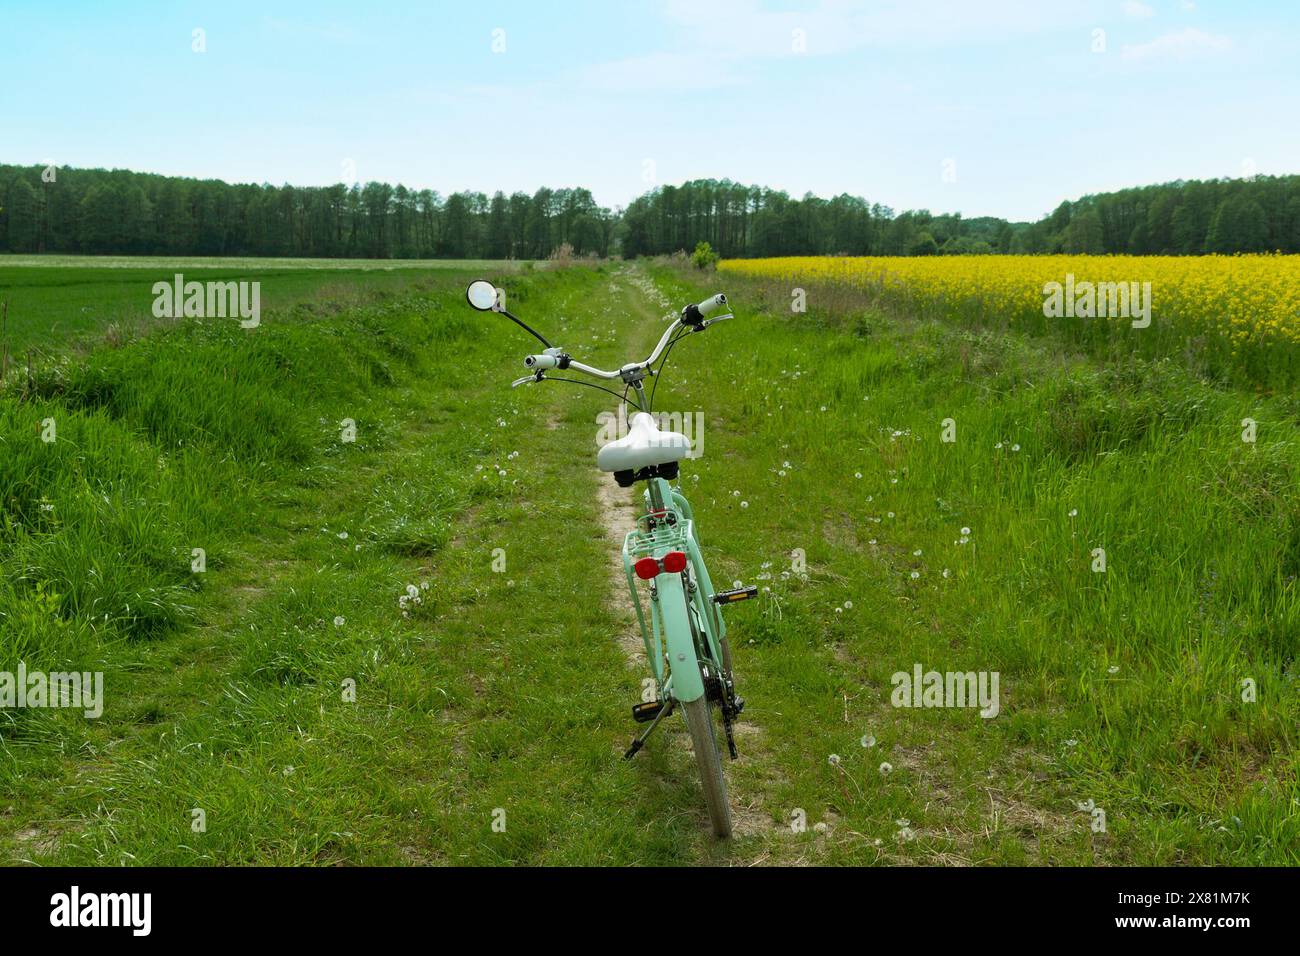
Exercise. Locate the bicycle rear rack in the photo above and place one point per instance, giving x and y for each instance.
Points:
(655, 534)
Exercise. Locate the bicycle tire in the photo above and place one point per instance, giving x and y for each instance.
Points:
(709, 761)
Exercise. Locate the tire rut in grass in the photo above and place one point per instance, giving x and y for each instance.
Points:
(617, 512)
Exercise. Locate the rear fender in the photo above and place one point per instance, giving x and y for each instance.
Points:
(680, 643)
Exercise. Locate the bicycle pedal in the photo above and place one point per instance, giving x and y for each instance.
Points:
(644, 713)
(736, 594)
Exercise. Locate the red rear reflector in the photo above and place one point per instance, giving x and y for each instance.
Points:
(646, 568)
(674, 562)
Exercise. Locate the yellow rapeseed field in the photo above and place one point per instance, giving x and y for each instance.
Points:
(1250, 303)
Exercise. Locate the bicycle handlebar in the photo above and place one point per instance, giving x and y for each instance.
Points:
(692, 317)
(691, 314)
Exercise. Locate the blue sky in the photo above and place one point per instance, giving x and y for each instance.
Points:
(1008, 98)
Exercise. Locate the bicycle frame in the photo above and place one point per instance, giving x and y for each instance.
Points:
(685, 625)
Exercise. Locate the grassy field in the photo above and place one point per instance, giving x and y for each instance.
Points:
(55, 300)
(1122, 687)
(287, 694)
(166, 263)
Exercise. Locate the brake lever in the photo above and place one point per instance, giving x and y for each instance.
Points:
(535, 377)
(721, 318)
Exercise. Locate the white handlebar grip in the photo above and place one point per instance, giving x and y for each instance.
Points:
(541, 361)
(712, 303)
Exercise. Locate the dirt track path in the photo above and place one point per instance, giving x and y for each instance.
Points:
(617, 512)
(618, 505)
(618, 509)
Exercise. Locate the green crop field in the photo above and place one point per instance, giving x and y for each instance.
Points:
(287, 699)
(54, 301)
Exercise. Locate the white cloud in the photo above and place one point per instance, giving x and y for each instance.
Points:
(659, 72)
(749, 28)
(1184, 43)
(1137, 10)
(721, 43)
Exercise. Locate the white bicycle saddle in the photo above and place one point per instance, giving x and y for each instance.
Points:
(643, 446)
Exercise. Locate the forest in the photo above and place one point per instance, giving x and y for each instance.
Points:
(96, 211)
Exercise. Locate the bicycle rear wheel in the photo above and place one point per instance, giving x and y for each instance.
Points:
(709, 760)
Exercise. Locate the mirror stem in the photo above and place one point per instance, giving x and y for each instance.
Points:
(537, 335)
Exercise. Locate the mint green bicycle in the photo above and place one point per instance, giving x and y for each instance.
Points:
(686, 637)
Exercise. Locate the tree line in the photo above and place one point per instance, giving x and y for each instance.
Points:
(63, 210)
(95, 211)
(1261, 214)
(739, 221)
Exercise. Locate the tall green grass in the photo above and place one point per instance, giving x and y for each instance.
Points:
(509, 690)
(163, 446)
(1125, 686)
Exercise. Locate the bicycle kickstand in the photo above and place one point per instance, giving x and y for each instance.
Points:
(639, 742)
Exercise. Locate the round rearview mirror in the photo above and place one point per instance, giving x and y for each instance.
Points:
(482, 295)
